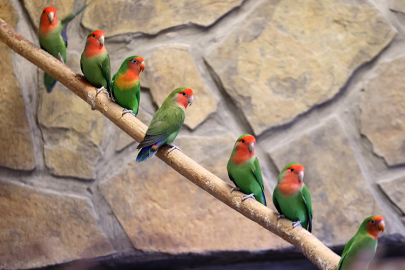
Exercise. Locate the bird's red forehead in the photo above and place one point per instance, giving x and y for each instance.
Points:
(49, 10)
(297, 167)
(249, 139)
(98, 33)
(378, 218)
(188, 91)
(139, 59)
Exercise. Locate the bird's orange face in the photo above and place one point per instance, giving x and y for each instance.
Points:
(185, 98)
(375, 226)
(49, 19)
(136, 64)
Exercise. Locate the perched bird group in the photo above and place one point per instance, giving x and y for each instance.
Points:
(290, 197)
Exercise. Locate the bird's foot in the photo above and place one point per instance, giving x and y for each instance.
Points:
(297, 223)
(280, 216)
(172, 148)
(235, 188)
(248, 196)
(60, 58)
(80, 76)
(128, 111)
(99, 90)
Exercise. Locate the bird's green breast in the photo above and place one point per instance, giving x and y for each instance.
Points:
(53, 43)
(293, 206)
(92, 69)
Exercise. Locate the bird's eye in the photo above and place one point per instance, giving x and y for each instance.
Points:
(184, 94)
(94, 35)
(372, 221)
(243, 141)
(292, 169)
(44, 12)
(134, 61)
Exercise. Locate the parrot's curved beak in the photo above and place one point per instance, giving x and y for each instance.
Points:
(190, 100)
(301, 176)
(51, 15)
(101, 40)
(381, 225)
(142, 66)
(251, 147)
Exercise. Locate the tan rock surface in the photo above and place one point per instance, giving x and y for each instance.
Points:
(395, 191)
(35, 8)
(397, 5)
(152, 16)
(162, 211)
(383, 112)
(288, 56)
(171, 67)
(40, 228)
(71, 130)
(17, 151)
(341, 198)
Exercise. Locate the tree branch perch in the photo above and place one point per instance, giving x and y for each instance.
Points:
(308, 244)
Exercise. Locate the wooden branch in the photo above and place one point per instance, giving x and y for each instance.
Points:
(308, 244)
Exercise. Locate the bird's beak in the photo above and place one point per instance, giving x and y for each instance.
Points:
(381, 225)
(190, 100)
(142, 65)
(101, 40)
(51, 15)
(251, 147)
(301, 176)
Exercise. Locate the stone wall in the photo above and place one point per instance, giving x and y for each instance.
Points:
(321, 83)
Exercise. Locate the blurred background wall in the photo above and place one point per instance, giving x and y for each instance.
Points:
(321, 83)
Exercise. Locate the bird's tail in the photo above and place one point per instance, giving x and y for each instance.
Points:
(49, 82)
(148, 152)
(264, 200)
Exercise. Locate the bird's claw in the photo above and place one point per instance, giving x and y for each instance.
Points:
(60, 58)
(172, 148)
(280, 216)
(128, 111)
(235, 188)
(252, 196)
(297, 223)
(99, 90)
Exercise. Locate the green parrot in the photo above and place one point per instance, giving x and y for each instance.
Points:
(363, 244)
(244, 169)
(291, 197)
(53, 38)
(125, 86)
(166, 123)
(95, 62)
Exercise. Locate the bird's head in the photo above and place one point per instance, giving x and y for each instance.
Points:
(136, 64)
(293, 171)
(183, 96)
(374, 225)
(48, 16)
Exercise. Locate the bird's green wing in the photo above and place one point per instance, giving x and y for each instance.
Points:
(275, 202)
(166, 121)
(106, 69)
(258, 176)
(308, 203)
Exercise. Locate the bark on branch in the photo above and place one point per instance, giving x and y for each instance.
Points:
(308, 244)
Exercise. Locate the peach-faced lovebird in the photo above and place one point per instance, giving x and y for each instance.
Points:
(95, 62)
(363, 244)
(125, 86)
(291, 197)
(166, 123)
(244, 169)
(53, 38)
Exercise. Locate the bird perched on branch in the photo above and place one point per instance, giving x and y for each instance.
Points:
(244, 169)
(166, 123)
(95, 62)
(126, 88)
(291, 197)
(361, 248)
(53, 38)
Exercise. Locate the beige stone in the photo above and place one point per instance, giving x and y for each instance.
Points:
(383, 112)
(16, 148)
(161, 211)
(35, 8)
(397, 5)
(171, 67)
(152, 16)
(395, 191)
(341, 198)
(288, 56)
(71, 130)
(40, 228)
